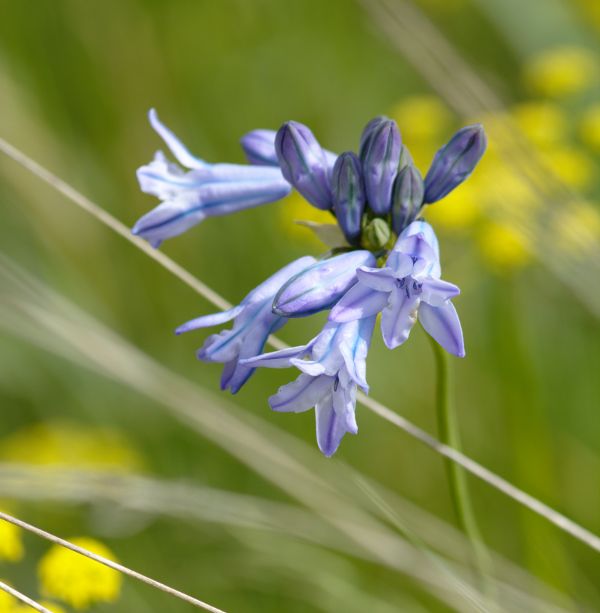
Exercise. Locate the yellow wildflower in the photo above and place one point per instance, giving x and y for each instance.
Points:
(422, 119)
(11, 545)
(544, 123)
(8, 604)
(69, 444)
(589, 128)
(503, 247)
(570, 165)
(77, 580)
(561, 71)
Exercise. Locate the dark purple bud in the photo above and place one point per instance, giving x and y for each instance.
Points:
(259, 147)
(454, 162)
(407, 197)
(367, 133)
(303, 163)
(380, 156)
(348, 195)
(321, 285)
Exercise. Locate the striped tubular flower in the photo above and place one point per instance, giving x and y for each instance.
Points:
(384, 257)
(333, 365)
(253, 319)
(406, 288)
(205, 190)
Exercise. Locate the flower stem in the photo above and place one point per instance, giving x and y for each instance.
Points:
(457, 482)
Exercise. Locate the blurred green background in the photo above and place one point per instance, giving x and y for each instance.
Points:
(76, 81)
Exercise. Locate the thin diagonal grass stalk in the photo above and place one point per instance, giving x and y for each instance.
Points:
(101, 560)
(22, 598)
(473, 467)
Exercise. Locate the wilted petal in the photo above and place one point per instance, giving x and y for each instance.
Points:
(303, 163)
(178, 149)
(358, 302)
(443, 325)
(407, 197)
(398, 318)
(380, 156)
(259, 147)
(320, 285)
(348, 195)
(454, 162)
(436, 292)
(301, 394)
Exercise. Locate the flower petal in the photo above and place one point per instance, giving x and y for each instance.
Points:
(259, 147)
(358, 302)
(276, 359)
(332, 425)
(379, 279)
(398, 318)
(443, 325)
(320, 285)
(436, 292)
(215, 319)
(178, 149)
(301, 394)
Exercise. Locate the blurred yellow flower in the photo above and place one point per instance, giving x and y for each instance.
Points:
(8, 604)
(577, 228)
(77, 580)
(296, 208)
(544, 123)
(503, 247)
(11, 545)
(560, 71)
(459, 210)
(570, 165)
(422, 118)
(73, 445)
(589, 128)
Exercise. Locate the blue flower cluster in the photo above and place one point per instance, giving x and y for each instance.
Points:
(391, 264)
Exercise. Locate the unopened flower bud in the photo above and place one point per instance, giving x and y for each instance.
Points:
(321, 285)
(407, 197)
(303, 163)
(348, 195)
(454, 162)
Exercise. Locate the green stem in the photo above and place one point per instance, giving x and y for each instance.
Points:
(457, 482)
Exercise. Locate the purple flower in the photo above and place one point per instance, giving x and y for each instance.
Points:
(333, 365)
(253, 319)
(406, 288)
(454, 162)
(189, 196)
(407, 197)
(320, 285)
(259, 147)
(303, 163)
(348, 195)
(381, 146)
